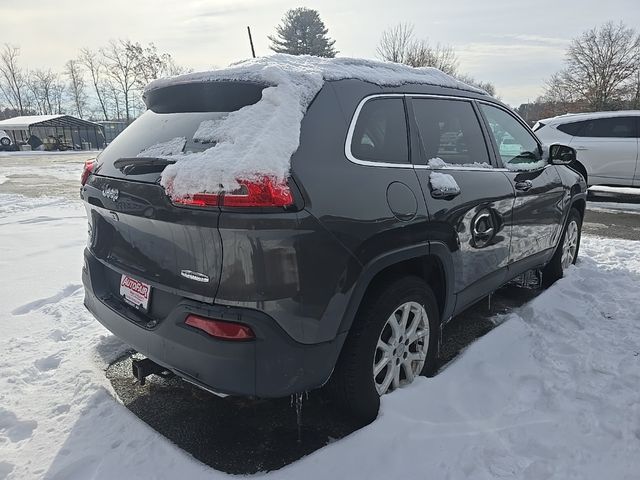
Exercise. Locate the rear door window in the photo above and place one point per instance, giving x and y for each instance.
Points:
(450, 130)
(380, 132)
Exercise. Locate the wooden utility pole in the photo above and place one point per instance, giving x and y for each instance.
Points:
(253, 52)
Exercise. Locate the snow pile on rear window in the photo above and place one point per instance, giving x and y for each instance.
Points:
(165, 149)
(258, 140)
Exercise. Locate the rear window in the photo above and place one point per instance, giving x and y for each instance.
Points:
(179, 120)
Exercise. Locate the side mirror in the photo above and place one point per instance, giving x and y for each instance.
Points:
(561, 155)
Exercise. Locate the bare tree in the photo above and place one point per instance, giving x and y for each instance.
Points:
(114, 100)
(47, 80)
(57, 96)
(122, 69)
(398, 44)
(96, 68)
(442, 57)
(150, 64)
(40, 86)
(395, 43)
(635, 101)
(488, 87)
(12, 78)
(33, 87)
(601, 67)
(73, 70)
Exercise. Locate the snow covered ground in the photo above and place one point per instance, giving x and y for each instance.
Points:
(552, 393)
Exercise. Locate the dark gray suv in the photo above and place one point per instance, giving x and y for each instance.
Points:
(404, 206)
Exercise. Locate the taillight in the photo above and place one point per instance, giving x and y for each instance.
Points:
(265, 192)
(198, 200)
(220, 329)
(89, 165)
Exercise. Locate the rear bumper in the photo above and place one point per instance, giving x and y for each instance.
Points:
(272, 365)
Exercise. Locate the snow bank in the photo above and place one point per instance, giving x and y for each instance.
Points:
(551, 393)
(614, 207)
(258, 140)
(615, 190)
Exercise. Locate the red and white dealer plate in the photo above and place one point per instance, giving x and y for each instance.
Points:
(135, 292)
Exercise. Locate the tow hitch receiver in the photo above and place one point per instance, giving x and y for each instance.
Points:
(141, 369)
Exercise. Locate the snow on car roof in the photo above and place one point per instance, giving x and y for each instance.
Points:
(259, 139)
(271, 68)
(574, 117)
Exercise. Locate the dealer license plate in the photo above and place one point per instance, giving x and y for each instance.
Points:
(135, 292)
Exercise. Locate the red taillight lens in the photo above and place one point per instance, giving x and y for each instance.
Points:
(265, 192)
(198, 200)
(220, 329)
(89, 165)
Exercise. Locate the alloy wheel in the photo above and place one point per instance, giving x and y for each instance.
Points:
(402, 347)
(570, 245)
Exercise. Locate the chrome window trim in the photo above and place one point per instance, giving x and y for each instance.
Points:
(464, 168)
(370, 163)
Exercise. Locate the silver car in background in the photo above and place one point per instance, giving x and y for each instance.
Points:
(5, 140)
(606, 144)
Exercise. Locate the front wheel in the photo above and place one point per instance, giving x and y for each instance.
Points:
(393, 340)
(567, 252)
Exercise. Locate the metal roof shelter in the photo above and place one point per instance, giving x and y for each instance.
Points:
(55, 132)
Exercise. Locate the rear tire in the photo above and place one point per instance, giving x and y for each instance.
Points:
(5, 141)
(389, 344)
(567, 252)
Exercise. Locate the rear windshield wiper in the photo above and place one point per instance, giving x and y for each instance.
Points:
(141, 165)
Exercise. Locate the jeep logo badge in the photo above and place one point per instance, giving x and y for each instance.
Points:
(110, 193)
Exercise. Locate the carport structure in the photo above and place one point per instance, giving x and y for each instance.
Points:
(55, 132)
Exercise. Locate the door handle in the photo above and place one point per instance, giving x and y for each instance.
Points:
(445, 192)
(580, 147)
(524, 186)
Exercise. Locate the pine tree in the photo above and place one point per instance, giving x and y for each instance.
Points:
(302, 32)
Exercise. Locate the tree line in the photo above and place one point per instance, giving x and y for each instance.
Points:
(601, 71)
(101, 84)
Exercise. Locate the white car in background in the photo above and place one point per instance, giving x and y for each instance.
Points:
(606, 144)
(5, 140)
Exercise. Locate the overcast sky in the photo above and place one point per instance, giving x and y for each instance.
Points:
(515, 44)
